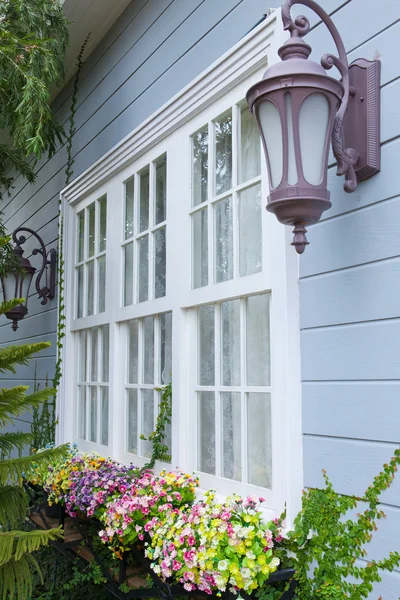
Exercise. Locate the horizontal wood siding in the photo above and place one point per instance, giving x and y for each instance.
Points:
(154, 49)
(350, 300)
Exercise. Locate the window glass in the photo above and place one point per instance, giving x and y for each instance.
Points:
(242, 342)
(148, 368)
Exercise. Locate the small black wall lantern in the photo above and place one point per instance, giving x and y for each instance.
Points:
(17, 282)
(300, 110)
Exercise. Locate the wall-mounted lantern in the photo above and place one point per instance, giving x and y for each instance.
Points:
(300, 110)
(17, 282)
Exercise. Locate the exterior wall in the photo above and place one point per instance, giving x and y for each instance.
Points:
(350, 299)
(154, 49)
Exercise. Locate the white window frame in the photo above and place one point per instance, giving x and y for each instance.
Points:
(168, 131)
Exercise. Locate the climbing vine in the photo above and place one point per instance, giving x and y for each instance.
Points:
(44, 424)
(160, 448)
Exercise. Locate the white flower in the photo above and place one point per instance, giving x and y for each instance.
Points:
(223, 565)
(274, 562)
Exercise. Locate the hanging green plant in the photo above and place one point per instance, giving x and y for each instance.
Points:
(160, 450)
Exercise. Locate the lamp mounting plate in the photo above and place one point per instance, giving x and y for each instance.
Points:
(361, 124)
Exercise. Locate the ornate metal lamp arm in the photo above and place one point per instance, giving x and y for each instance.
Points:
(347, 158)
(47, 291)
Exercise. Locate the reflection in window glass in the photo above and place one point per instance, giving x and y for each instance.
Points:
(161, 190)
(200, 166)
(129, 210)
(103, 224)
(128, 274)
(250, 147)
(250, 238)
(257, 335)
(231, 435)
(206, 450)
(206, 333)
(259, 444)
(223, 154)
(223, 240)
(144, 179)
(200, 248)
(92, 229)
(143, 268)
(160, 260)
(81, 235)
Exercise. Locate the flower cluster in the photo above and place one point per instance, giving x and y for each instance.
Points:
(129, 516)
(90, 489)
(214, 546)
(40, 474)
(59, 479)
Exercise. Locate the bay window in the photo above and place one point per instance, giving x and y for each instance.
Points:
(175, 272)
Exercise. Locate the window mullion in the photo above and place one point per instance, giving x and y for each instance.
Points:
(218, 436)
(243, 381)
(210, 187)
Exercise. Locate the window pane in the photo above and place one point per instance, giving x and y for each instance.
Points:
(128, 271)
(101, 265)
(223, 154)
(200, 166)
(90, 287)
(147, 420)
(144, 179)
(166, 348)
(82, 412)
(223, 240)
(259, 445)
(93, 414)
(144, 269)
(132, 422)
(93, 354)
(200, 249)
(92, 228)
(103, 224)
(206, 328)
(160, 212)
(79, 290)
(106, 354)
(129, 189)
(230, 342)
(104, 415)
(81, 235)
(167, 435)
(82, 356)
(250, 147)
(206, 449)
(160, 262)
(250, 239)
(148, 350)
(231, 435)
(257, 335)
(133, 352)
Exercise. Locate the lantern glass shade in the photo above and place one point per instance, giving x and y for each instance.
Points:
(314, 120)
(271, 126)
(292, 177)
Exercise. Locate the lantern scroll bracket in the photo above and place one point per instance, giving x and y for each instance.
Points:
(356, 134)
(48, 268)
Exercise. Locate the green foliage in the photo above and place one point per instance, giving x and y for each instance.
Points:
(327, 543)
(160, 449)
(16, 545)
(33, 41)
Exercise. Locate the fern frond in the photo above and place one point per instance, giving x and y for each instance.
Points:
(13, 469)
(19, 355)
(14, 402)
(13, 505)
(16, 578)
(14, 544)
(14, 441)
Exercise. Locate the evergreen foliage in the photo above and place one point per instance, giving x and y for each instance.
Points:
(16, 546)
(33, 41)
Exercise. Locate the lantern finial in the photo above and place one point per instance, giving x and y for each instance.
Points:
(300, 240)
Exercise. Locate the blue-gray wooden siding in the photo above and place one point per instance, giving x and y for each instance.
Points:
(350, 299)
(154, 49)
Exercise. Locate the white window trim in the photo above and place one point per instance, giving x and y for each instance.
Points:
(241, 63)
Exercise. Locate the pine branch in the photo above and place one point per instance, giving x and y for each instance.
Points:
(13, 505)
(13, 469)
